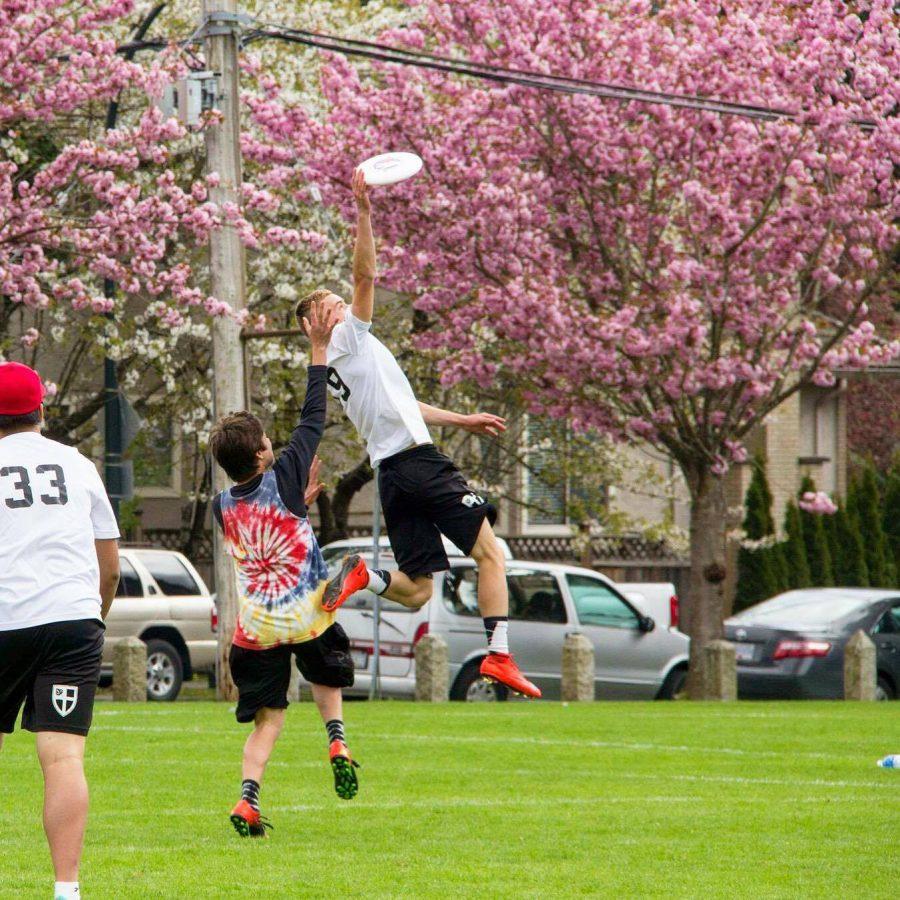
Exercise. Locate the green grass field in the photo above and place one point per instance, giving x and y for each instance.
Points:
(511, 800)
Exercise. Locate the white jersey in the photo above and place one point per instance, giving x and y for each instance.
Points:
(375, 394)
(52, 507)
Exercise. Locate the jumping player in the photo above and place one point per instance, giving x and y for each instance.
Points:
(59, 569)
(282, 578)
(422, 491)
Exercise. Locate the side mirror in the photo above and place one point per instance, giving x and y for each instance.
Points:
(646, 624)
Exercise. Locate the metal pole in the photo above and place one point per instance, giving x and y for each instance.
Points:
(113, 474)
(228, 282)
(375, 684)
(118, 483)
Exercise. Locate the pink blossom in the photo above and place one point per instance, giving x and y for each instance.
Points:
(817, 502)
(649, 265)
(30, 337)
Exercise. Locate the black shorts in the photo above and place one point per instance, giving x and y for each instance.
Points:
(263, 676)
(423, 494)
(53, 669)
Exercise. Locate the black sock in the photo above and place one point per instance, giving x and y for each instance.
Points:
(250, 792)
(335, 728)
(490, 626)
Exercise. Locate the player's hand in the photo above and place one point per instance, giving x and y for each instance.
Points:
(361, 191)
(314, 486)
(320, 324)
(485, 423)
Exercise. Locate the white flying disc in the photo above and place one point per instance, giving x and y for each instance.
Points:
(389, 168)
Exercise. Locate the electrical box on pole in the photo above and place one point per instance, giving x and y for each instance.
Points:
(188, 98)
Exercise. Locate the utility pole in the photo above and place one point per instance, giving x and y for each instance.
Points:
(221, 31)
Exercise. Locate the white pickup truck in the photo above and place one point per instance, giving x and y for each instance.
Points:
(657, 598)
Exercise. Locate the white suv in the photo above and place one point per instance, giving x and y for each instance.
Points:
(162, 600)
(639, 651)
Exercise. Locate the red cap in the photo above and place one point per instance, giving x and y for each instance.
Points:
(21, 389)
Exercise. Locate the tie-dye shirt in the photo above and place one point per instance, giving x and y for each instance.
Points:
(281, 573)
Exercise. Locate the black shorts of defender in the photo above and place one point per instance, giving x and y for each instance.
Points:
(263, 677)
(53, 669)
(423, 495)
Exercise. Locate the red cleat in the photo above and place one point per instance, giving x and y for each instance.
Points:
(351, 578)
(248, 822)
(346, 784)
(502, 668)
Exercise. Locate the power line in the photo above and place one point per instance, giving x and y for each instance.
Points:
(524, 78)
(501, 74)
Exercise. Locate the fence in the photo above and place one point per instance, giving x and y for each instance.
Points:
(623, 557)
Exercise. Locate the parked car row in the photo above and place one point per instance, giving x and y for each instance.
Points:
(791, 646)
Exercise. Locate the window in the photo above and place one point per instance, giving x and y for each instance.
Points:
(461, 591)
(151, 454)
(129, 580)
(565, 482)
(546, 488)
(170, 574)
(598, 604)
(534, 596)
(889, 623)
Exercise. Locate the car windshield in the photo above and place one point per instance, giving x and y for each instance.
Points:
(332, 554)
(170, 574)
(799, 608)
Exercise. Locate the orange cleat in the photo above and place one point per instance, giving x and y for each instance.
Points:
(346, 784)
(352, 577)
(502, 668)
(248, 822)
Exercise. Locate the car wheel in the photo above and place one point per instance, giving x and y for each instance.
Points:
(164, 671)
(472, 688)
(884, 690)
(673, 685)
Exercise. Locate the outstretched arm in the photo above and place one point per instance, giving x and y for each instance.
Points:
(295, 469)
(363, 252)
(477, 423)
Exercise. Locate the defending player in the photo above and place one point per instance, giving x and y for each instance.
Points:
(422, 491)
(281, 577)
(59, 569)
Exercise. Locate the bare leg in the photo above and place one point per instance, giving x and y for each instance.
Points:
(258, 749)
(414, 593)
(493, 595)
(65, 799)
(329, 701)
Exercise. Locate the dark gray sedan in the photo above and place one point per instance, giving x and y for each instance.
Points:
(792, 646)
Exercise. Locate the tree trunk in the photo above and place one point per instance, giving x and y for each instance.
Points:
(347, 488)
(705, 609)
(197, 525)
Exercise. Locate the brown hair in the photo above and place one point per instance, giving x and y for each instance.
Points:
(234, 442)
(26, 420)
(302, 309)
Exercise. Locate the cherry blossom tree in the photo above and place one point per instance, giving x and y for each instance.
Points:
(659, 274)
(80, 205)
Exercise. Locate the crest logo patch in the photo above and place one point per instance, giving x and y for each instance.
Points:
(64, 698)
